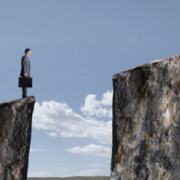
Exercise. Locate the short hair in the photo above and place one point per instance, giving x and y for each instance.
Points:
(27, 50)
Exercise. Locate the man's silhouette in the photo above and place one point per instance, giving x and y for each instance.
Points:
(25, 69)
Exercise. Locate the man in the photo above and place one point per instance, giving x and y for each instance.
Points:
(25, 69)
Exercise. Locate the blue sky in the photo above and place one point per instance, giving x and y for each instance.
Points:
(77, 47)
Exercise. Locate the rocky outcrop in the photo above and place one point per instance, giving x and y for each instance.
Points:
(15, 136)
(146, 122)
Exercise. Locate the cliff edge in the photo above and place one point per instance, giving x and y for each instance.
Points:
(146, 122)
(15, 137)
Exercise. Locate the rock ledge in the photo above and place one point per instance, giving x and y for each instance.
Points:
(15, 137)
(146, 122)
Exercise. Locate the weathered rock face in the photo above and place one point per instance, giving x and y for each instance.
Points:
(146, 122)
(15, 136)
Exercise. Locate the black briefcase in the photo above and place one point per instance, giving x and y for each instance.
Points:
(25, 82)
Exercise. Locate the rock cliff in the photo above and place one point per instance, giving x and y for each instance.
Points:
(146, 122)
(15, 136)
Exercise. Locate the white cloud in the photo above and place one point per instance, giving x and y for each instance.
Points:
(65, 169)
(40, 174)
(52, 134)
(98, 108)
(56, 164)
(35, 149)
(60, 119)
(89, 172)
(92, 149)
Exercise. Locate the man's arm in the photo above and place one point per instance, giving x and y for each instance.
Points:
(24, 61)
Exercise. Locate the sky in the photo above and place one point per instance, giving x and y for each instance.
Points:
(77, 47)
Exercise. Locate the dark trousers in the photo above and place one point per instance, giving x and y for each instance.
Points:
(24, 92)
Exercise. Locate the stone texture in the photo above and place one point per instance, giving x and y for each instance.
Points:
(15, 136)
(146, 122)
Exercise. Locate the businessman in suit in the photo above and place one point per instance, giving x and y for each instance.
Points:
(25, 69)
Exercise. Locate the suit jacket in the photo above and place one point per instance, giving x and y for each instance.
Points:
(25, 66)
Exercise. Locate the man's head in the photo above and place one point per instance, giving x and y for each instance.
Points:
(27, 51)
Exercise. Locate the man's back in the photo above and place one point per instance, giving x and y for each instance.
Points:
(25, 66)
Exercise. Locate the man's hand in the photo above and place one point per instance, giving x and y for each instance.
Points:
(25, 75)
